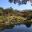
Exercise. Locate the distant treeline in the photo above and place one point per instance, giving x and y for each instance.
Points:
(11, 11)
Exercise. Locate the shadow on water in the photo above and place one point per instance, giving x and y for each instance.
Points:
(9, 26)
(28, 25)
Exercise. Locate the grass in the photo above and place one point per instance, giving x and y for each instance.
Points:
(18, 19)
(1, 17)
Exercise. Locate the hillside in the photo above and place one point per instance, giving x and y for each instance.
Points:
(10, 16)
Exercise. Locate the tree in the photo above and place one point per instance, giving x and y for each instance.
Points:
(20, 1)
(1, 11)
(8, 9)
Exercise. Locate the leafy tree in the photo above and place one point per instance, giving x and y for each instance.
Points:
(20, 1)
(1, 9)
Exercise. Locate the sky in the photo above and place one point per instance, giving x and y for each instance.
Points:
(6, 4)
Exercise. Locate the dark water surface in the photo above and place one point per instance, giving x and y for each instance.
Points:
(19, 28)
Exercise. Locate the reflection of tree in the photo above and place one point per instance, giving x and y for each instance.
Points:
(28, 25)
(10, 26)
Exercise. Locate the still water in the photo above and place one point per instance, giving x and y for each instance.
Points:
(19, 28)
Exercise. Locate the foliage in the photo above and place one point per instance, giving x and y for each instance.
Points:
(14, 17)
(20, 2)
(1, 9)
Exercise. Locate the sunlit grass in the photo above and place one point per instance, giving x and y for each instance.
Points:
(1, 17)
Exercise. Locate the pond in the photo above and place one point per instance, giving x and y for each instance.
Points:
(19, 28)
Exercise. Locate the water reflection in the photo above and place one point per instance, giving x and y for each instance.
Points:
(19, 28)
(9, 26)
(28, 25)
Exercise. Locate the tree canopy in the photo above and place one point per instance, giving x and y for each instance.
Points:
(1, 9)
(19, 1)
